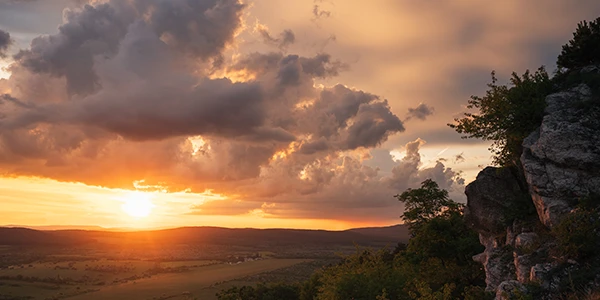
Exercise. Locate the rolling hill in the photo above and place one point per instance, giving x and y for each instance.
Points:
(377, 236)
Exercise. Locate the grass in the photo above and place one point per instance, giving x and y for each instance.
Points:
(188, 285)
(41, 280)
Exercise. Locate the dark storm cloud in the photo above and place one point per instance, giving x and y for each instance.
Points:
(421, 112)
(5, 42)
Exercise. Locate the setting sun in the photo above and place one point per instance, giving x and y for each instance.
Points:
(137, 204)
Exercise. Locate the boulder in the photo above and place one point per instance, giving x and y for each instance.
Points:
(490, 196)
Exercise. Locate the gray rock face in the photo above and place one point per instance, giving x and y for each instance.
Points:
(496, 260)
(561, 164)
(494, 192)
(490, 196)
(561, 159)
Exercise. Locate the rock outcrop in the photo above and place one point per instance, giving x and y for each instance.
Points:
(561, 164)
(561, 159)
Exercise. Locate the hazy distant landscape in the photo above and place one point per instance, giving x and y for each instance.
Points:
(181, 263)
(267, 150)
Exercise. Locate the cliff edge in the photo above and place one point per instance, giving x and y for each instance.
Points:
(522, 213)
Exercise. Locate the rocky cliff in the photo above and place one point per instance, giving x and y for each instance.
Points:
(515, 210)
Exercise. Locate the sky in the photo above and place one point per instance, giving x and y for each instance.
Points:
(264, 113)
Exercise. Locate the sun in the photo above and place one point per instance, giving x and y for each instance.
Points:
(137, 204)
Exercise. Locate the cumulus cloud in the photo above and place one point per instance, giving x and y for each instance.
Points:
(340, 187)
(127, 91)
(421, 112)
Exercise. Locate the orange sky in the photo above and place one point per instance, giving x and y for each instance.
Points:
(295, 114)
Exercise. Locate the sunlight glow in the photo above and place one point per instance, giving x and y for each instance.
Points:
(4, 73)
(138, 204)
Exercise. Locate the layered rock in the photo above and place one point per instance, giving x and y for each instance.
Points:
(561, 164)
(561, 160)
(490, 196)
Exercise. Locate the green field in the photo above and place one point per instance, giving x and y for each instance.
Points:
(109, 279)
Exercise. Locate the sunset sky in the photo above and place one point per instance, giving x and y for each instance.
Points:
(263, 113)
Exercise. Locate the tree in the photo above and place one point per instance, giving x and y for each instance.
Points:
(584, 49)
(438, 257)
(423, 204)
(507, 114)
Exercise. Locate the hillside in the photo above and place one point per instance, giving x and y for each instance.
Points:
(210, 235)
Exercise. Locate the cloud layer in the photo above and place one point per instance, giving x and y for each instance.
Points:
(145, 90)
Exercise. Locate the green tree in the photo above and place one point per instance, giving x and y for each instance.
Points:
(438, 257)
(423, 204)
(584, 49)
(507, 114)
(363, 276)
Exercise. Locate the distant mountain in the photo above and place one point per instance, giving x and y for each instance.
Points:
(210, 235)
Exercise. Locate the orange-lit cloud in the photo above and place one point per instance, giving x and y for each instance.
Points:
(293, 119)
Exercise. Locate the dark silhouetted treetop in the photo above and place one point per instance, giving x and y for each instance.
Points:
(425, 203)
(507, 114)
(584, 49)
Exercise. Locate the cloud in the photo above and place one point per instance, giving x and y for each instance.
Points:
(285, 39)
(318, 12)
(128, 91)
(421, 112)
(148, 90)
(340, 187)
(202, 29)
(459, 158)
(5, 42)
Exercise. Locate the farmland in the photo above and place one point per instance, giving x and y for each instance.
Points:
(173, 265)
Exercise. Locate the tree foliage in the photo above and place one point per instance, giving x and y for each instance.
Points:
(507, 114)
(584, 49)
(436, 264)
(424, 204)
